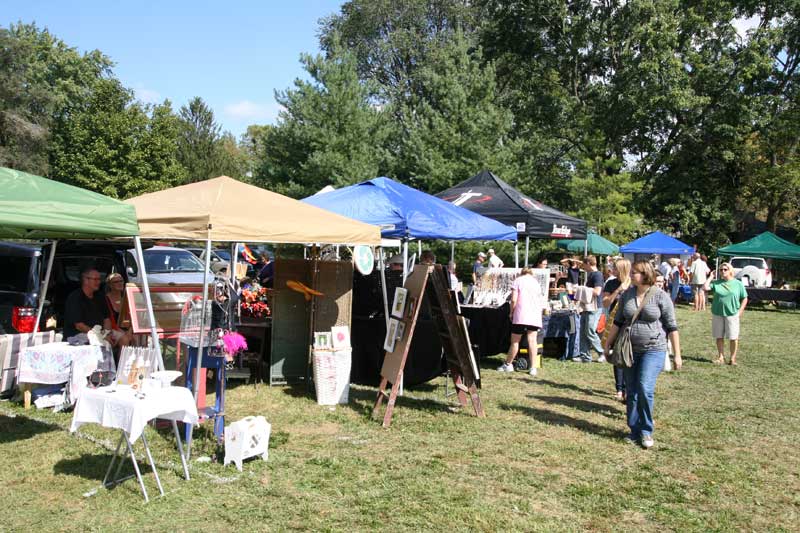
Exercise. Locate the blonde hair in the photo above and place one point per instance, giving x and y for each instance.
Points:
(623, 267)
(526, 270)
(726, 264)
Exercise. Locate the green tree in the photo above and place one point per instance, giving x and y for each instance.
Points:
(41, 79)
(198, 147)
(329, 132)
(111, 145)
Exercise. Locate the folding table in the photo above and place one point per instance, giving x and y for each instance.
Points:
(121, 407)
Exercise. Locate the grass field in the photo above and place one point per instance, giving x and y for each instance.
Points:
(548, 457)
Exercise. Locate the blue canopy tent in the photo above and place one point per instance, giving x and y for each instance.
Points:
(657, 243)
(406, 213)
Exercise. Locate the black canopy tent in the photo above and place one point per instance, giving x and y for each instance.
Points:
(491, 197)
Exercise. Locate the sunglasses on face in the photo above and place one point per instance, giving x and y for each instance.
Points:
(724, 269)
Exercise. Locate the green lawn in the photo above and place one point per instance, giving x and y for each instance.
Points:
(549, 456)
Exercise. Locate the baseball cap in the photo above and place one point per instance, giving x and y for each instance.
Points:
(491, 250)
(481, 254)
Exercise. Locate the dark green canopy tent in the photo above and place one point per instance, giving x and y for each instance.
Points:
(593, 244)
(765, 245)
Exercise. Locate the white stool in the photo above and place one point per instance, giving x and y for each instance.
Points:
(247, 438)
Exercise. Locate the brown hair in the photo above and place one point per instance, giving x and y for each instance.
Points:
(591, 260)
(647, 271)
(526, 270)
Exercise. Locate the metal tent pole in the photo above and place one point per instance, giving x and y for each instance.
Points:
(405, 260)
(137, 242)
(516, 254)
(527, 248)
(203, 317)
(43, 290)
(383, 287)
(452, 251)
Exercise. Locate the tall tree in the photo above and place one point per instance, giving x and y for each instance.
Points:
(198, 147)
(41, 79)
(328, 133)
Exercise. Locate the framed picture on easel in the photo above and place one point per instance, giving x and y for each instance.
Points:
(399, 304)
(391, 335)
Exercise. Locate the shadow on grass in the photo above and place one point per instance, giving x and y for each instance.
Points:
(580, 405)
(21, 428)
(569, 386)
(557, 419)
(94, 466)
(698, 359)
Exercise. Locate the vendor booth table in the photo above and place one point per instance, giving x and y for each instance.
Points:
(772, 295)
(120, 407)
(10, 347)
(490, 329)
(51, 364)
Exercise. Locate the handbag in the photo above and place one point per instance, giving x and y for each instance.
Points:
(622, 353)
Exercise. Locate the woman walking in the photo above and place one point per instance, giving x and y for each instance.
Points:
(526, 317)
(612, 290)
(649, 343)
(730, 301)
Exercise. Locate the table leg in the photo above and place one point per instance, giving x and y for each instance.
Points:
(180, 450)
(26, 395)
(113, 459)
(136, 467)
(152, 463)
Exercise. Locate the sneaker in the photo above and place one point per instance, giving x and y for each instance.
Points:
(631, 439)
(580, 359)
(505, 367)
(601, 359)
(532, 372)
(647, 441)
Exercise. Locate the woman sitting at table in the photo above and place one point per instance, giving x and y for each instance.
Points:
(114, 286)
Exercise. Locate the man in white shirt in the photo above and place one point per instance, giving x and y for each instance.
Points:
(494, 261)
(698, 274)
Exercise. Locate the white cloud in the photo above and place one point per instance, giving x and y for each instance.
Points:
(148, 96)
(252, 112)
(742, 26)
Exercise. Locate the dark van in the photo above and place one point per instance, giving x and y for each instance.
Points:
(20, 283)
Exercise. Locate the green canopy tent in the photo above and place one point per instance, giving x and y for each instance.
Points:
(766, 244)
(593, 243)
(33, 207)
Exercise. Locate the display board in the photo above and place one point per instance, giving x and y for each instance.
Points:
(290, 324)
(431, 284)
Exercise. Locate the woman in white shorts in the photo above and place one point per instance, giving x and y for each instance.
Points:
(730, 301)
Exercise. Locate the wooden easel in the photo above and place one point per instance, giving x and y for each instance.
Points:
(431, 283)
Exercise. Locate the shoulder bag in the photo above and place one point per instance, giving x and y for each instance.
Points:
(622, 353)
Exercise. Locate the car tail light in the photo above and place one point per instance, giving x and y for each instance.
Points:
(23, 319)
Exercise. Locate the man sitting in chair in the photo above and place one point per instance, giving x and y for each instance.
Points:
(86, 307)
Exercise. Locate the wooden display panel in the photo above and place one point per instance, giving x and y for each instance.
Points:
(430, 283)
(290, 322)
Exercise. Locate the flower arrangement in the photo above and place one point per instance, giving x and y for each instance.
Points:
(254, 302)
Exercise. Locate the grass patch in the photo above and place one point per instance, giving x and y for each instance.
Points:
(548, 457)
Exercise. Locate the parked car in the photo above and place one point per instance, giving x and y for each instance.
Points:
(219, 258)
(20, 284)
(752, 271)
(167, 266)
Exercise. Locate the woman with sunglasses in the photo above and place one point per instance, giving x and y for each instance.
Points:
(730, 301)
(648, 336)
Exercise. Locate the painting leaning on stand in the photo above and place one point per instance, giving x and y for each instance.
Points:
(648, 337)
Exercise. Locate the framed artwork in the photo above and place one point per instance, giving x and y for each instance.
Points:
(323, 340)
(340, 337)
(564, 299)
(399, 305)
(401, 330)
(391, 335)
(412, 303)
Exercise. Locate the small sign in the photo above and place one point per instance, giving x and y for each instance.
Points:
(364, 259)
(520, 227)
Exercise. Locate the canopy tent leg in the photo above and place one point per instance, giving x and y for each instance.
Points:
(137, 242)
(405, 260)
(527, 248)
(419, 247)
(383, 287)
(453, 251)
(43, 291)
(516, 254)
(586, 246)
(201, 334)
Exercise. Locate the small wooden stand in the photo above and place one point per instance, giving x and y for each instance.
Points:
(431, 283)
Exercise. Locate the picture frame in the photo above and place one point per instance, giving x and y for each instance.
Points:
(399, 302)
(401, 330)
(340, 337)
(412, 303)
(564, 299)
(323, 340)
(391, 335)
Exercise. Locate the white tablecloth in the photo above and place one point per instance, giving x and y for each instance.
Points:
(50, 364)
(121, 409)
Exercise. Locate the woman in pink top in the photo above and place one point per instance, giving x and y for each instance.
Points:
(526, 317)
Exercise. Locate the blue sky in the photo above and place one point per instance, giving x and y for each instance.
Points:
(232, 54)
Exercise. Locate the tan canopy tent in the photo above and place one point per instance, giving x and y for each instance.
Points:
(224, 209)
